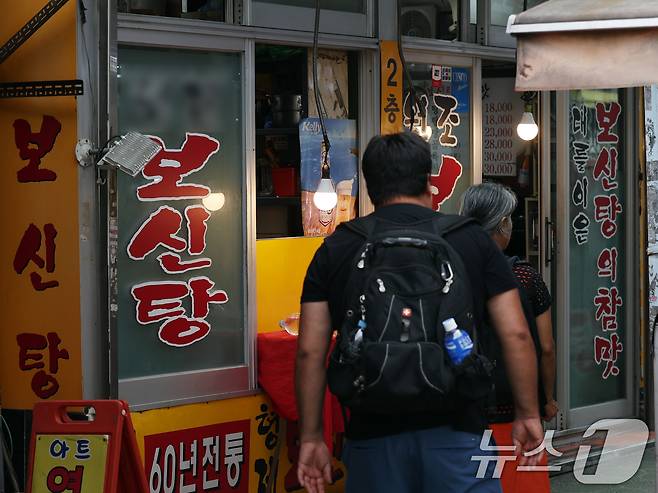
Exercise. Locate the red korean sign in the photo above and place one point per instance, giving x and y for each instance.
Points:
(178, 259)
(176, 240)
(194, 460)
(597, 215)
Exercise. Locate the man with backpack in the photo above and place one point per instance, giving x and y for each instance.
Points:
(408, 289)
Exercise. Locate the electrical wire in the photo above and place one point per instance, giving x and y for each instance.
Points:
(107, 143)
(11, 440)
(405, 70)
(319, 103)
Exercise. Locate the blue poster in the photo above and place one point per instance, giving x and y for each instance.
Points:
(343, 161)
(461, 89)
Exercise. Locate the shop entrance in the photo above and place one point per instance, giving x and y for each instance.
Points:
(575, 225)
(595, 268)
(510, 160)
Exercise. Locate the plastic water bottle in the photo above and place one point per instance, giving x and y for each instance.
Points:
(457, 342)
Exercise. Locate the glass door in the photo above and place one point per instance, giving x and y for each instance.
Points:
(446, 109)
(181, 232)
(594, 286)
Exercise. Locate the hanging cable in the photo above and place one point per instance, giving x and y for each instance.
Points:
(412, 91)
(319, 103)
(11, 440)
(325, 197)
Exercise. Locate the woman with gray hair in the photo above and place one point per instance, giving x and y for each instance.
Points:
(492, 205)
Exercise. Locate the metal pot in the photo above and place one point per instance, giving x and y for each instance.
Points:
(286, 110)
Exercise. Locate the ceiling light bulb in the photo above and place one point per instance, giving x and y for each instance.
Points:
(527, 129)
(325, 197)
(214, 201)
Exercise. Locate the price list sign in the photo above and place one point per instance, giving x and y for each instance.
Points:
(502, 110)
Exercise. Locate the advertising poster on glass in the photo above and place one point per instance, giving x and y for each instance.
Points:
(597, 231)
(343, 165)
(178, 238)
(441, 116)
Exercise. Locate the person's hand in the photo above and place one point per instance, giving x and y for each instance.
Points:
(314, 465)
(527, 435)
(550, 410)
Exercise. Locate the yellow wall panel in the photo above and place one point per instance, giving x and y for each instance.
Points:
(268, 438)
(40, 328)
(280, 269)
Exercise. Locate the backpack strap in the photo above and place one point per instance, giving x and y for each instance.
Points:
(363, 226)
(447, 223)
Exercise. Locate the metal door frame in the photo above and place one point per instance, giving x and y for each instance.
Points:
(586, 415)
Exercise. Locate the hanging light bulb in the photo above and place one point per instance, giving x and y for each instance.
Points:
(527, 129)
(325, 197)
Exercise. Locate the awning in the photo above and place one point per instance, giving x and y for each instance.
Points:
(586, 44)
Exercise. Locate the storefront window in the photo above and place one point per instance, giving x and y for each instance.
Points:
(356, 6)
(597, 231)
(213, 10)
(442, 116)
(180, 254)
(349, 17)
(288, 140)
(437, 19)
(502, 9)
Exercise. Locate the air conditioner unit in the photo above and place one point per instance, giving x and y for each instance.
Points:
(439, 19)
(419, 21)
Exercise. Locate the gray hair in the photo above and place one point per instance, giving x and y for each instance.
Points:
(489, 203)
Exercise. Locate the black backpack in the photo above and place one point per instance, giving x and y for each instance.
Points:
(500, 406)
(389, 357)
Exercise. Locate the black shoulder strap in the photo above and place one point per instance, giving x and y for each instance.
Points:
(447, 223)
(443, 224)
(362, 226)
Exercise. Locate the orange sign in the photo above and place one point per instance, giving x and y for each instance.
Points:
(84, 447)
(69, 462)
(39, 259)
(391, 88)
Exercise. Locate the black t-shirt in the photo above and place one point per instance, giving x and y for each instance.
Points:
(328, 274)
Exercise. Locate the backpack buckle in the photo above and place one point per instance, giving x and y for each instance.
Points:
(447, 276)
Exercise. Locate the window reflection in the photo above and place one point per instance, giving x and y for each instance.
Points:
(437, 19)
(502, 9)
(213, 10)
(355, 6)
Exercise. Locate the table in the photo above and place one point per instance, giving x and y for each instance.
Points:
(276, 375)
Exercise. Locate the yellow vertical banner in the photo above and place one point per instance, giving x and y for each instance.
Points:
(391, 88)
(39, 252)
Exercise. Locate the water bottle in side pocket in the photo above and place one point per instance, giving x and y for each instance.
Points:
(457, 342)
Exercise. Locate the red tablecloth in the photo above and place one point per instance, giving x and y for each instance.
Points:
(276, 376)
